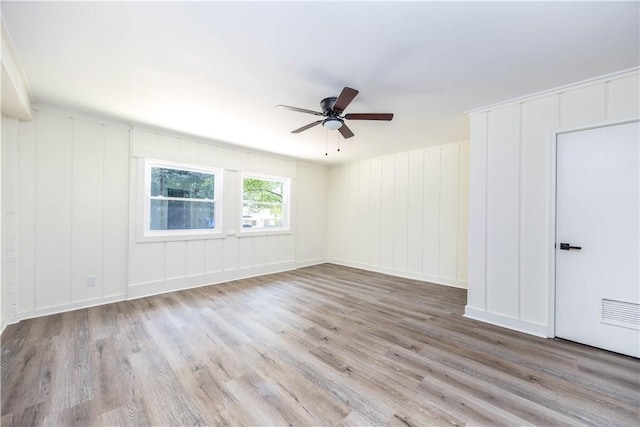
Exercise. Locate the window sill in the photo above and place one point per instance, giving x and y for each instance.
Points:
(263, 232)
(178, 237)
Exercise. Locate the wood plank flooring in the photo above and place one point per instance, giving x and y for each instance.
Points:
(324, 345)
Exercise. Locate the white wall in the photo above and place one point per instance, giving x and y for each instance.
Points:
(73, 200)
(162, 266)
(311, 214)
(8, 225)
(510, 217)
(72, 210)
(404, 214)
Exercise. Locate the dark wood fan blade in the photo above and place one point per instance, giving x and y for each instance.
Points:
(345, 131)
(300, 110)
(369, 116)
(305, 127)
(345, 98)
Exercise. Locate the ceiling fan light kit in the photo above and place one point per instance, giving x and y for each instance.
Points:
(333, 123)
(332, 108)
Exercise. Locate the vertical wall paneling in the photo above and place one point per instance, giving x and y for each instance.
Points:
(431, 213)
(168, 147)
(213, 252)
(288, 248)
(175, 260)
(149, 257)
(510, 268)
(273, 249)
(521, 218)
(26, 242)
(53, 210)
(622, 98)
(3, 311)
(477, 285)
(72, 204)
(352, 205)
(387, 208)
(463, 209)
(77, 195)
(448, 224)
(401, 201)
(538, 116)
(87, 210)
(375, 212)
(363, 222)
(414, 212)
(584, 106)
(245, 252)
(196, 258)
(231, 209)
(340, 224)
(146, 144)
(341, 221)
(259, 250)
(9, 225)
(232, 254)
(311, 215)
(400, 214)
(116, 211)
(332, 214)
(503, 210)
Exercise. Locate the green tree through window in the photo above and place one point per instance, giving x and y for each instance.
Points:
(263, 202)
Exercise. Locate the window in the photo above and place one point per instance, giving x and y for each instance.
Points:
(265, 203)
(181, 199)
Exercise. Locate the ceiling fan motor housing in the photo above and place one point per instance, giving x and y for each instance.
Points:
(327, 104)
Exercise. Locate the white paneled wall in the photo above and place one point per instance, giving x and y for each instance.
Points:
(404, 214)
(72, 210)
(510, 236)
(168, 265)
(310, 215)
(69, 211)
(8, 225)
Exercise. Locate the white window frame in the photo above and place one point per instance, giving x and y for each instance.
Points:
(180, 234)
(286, 208)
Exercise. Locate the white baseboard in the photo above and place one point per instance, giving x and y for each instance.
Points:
(142, 290)
(404, 274)
(69, 307)
(519, 325)
(311, 262)
(154, 288)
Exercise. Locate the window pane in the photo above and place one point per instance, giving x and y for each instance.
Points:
(262, 215)
(180, 183)
(177, 215)
(262, 190)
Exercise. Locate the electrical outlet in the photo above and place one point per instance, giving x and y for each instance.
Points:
(92, 280)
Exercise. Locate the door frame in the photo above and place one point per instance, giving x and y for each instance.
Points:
(551, 329)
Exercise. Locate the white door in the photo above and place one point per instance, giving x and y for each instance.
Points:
(597, 238)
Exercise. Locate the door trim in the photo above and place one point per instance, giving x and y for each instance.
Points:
(551, 329)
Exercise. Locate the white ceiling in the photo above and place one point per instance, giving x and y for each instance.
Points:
(217, 69)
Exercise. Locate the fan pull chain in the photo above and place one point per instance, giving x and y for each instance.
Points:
(338, 143)
(326, 142)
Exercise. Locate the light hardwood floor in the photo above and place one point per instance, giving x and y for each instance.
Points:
(324, 345)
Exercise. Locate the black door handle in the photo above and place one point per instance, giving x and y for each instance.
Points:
(567, 246)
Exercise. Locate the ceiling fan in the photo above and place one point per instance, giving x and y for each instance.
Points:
(332, 111)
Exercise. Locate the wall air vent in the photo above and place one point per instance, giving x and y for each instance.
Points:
(621, 313)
